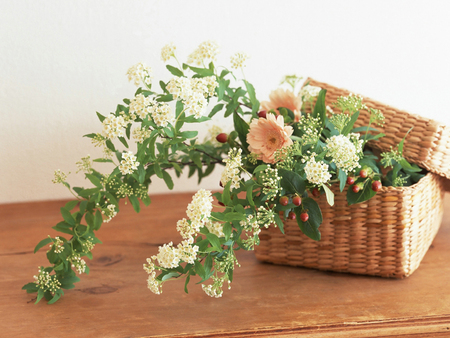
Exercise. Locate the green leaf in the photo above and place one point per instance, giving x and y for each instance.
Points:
(249, 190)
(40, 295)
(226, 198)
(165, 98)
(124, 141)
(311, 227)
(320, 109)
(135, 203)
(349, 126)
(227, 229)
(168, 180)
(329, 194)
(408, 167)
(292, 182)
(70, 205)
(242, 129)
(106, 160)
(146, 200)
(189, 134)
(158, 170)
(202, 71)
(363, 195)
(215, 242)
(100, 117)
(67, 216)
(400, 145)
(141, 173)
(110, 145)
(94, 180)
(252, 96)
(200, 270)
(216, 109)
(42, 243)
(57, 295)
(342, 176)
(188, 278)
(30, 287)
(279, 223)
(98, 220)
(234, 216)
(221, 90)
(174, 71)
(92, 135)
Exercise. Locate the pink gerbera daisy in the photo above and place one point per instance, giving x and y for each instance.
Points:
(283, 98)
(266, 135)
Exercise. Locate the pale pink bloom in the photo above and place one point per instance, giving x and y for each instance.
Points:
(266, 135)
(283, 98)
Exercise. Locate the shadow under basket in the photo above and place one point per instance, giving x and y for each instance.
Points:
(386, 236)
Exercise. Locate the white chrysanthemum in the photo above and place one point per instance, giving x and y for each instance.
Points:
(308, 93)
(168, 51)
(215, 228)
(232, 171)
(317, 172)
(207, 50)
(113, 126)
(188, 252)
(140, 72)
(168, 257)
(199, 210)
(128, 163)
(238, 59)
(344, 152)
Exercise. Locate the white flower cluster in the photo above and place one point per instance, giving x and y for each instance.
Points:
(84, 165)
(160, 112)
(270, 182)
(58, 245)
(59, 177)
(199, 210)
(128, 163)
(168, 257)
(215, 228)
(351, 103)
(311, 127)
(140, 72)
(110, 212)
(206, 50)
(344, 152)
(140, 106)
(153, 284)
(308, 93)
(252, 226)
(187, 251)
(113, 126)
(317, 172)
(238, 59)
(47, 282)
(232, 171)
(213, 290)
(88, 245)
(141, 134)
(168, 51)
(193, 92)
(77, 263)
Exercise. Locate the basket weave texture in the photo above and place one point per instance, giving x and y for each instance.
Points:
(427, 145)
(386, 236)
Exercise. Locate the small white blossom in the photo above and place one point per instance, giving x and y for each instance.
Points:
(232, 168)
(206, 50)
(128, 163)
(84, 165)
(140, 72)
(58, 245)
(187, 251)
(344, 152)
(215, 228)
(113, 126)
(141, 134)
(77, 263)
(153, 284)
(168, 257)
(199, 210)
(237, 60)
(317, 172)
(308, 93)
(168, 51)
(212, 290)
(59, 177)
(47, 282)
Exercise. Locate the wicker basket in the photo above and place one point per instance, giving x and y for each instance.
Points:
(388, 235)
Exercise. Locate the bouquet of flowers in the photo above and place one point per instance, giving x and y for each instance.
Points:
(281, 155)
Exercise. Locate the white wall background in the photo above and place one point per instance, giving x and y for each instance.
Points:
(61, 61)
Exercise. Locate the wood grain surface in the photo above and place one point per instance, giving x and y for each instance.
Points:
(265, 300)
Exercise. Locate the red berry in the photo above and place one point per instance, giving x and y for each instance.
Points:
(304, 216)
(316, 192)
(263, 114)
(356, 188)
(222, 138)
(292, 215)
(350, 180)
(297, 200)
(284, 200)
(363, 173)
(376, 185)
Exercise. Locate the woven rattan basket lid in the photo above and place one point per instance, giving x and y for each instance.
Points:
(427, 145)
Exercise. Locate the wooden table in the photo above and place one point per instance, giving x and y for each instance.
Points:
(265, 300)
